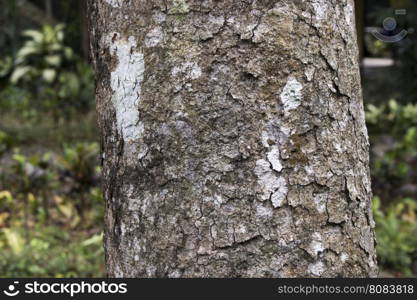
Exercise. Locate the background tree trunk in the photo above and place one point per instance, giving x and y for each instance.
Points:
(360, 27)
(234, 141)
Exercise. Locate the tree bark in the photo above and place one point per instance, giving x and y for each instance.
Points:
(233, 136)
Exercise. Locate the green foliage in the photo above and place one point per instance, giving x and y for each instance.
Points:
(51, 211)
(18, 101)
(6, 142)
(396, 232)
(6, 65)
(392, 118)
(42, 56)
(47, 133)
(50, 252)
(393, 135)
(81, 161)
(51, 206)
(50, 73)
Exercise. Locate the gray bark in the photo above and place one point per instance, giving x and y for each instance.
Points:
(234, 141)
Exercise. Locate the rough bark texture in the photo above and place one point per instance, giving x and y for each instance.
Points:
(233, 135)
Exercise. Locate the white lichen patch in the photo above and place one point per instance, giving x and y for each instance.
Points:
(271, 185)
(179, 7)
(118, 273)
(349, 14)
(371, 261)
(320, 202)
(316, 246)
(216, 20)
(265, 137)
(263, 211)
(280, 195)
(351, 186)
(133, 202)
(175, 274)
(154, 37)
(338, 147)
(309, 171)
(309, 73)
(317, 268)
(151, 271)
(291, 95)
(260, 32)
(125, 82)
(344, 257)
(114, 3)
(241, 229)
(211, 26)
(286, 130)
(204, 248)
(273, 158)
(159, 17)
(276, 186)
(144, 202)
(320, 9)
(216, 199)
(189, 70)
(266, 178)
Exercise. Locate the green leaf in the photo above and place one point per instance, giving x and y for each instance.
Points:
(7, 197)
(49, 75)
(19, 72)
(68, 53)
(53, 60)
(14, 240)
(37, 36)
(25, 51)
(393, 105)
(95, 239)
(55, 47)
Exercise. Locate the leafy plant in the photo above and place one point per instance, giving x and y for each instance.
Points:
(393, 134)
(51, 72)
(42, 231)
(50, 252)
(31, 173)
(392, 118)
(42, 55)
(396, 231)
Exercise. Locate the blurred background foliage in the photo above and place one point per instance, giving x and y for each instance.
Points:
(389, 75)
(51, 205)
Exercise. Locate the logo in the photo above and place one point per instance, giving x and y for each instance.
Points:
(12, 291)
(389, 32)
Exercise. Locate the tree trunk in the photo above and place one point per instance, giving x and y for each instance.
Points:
(234, 141)
(360, 27)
